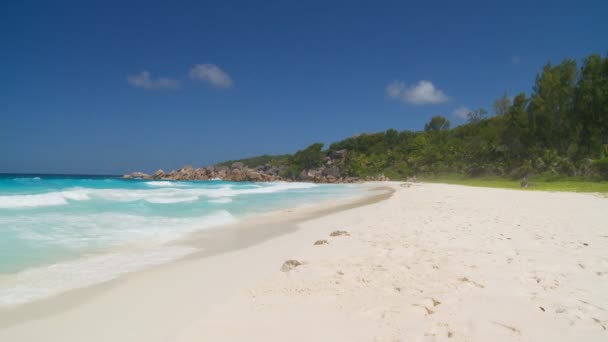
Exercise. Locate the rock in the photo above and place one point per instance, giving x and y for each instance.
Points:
(339, 233)
(331, 179)
(139, 175)
(237, 175)
(383, 178)
(289, 265)
(158, 174)
(254, 176)
(200, 174)
(331, 171)
(273, 171)
(321, 242)
(303, 176)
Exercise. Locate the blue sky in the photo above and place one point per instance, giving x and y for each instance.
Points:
(116, 87)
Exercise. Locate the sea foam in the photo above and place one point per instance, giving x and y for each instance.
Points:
(166, 194)
(164, 183)
(46, 281)
(43, 200)
(60, 233)
(139, 242)
(79, 232)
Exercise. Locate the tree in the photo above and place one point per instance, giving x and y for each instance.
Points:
(477, 115)
(591, 105)
(514, 136)
(560, 129)
(501, 105)
(437, 123)
(552, 106)
(392, 137)
(308, 158)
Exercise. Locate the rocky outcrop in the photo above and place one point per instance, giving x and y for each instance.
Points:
(329, 172)
(237, 173)
(137, 175)
(158, 174)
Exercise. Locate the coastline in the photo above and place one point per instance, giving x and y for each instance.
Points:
(436, 262)
(431, 262)
(252, 230)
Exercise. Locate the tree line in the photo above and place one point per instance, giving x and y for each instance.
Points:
(561, 128)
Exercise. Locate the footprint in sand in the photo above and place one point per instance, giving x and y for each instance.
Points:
(438, 330)
(602, 324)
(467, 280)
(435, 302)
(513, 329)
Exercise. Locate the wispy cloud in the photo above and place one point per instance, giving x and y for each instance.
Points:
(461, 112)
(424, 92)
(145, 81)
(212, 74)
(515, 60)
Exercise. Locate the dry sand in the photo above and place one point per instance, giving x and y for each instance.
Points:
(431, 263)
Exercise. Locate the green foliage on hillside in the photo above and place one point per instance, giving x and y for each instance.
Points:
(309, 158)
(274, 160)
(560, 129)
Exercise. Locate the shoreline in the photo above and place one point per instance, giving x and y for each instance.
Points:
(212, 241)
(436, 262)
(431, 262)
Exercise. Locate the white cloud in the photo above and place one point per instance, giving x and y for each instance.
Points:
(144, 80)
(461, 112)
(424, 92)
(211, 74)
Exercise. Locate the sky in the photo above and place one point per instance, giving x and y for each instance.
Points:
(109, 87)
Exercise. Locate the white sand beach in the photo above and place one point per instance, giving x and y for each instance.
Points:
(431, 262)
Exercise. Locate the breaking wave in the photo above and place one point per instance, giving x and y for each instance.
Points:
(167, 193)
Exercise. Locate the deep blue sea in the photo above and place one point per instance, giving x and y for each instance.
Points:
(62, 232)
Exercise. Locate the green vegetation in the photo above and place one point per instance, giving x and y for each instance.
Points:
(311, 157)
(252, 162)
(573, 184)
(557, 136)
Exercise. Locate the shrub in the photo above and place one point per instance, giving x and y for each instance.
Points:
(601, 167)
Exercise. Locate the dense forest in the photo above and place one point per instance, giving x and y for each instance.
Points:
(560, 129)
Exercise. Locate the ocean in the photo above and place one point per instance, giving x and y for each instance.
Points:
(63, 232)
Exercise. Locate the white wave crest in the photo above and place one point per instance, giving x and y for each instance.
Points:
(165, 200)
(221, 200)
(42, 200)
(162, 195)
(164, 183)
(78, 232)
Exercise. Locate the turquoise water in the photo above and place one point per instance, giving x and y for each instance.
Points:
(71, 231)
